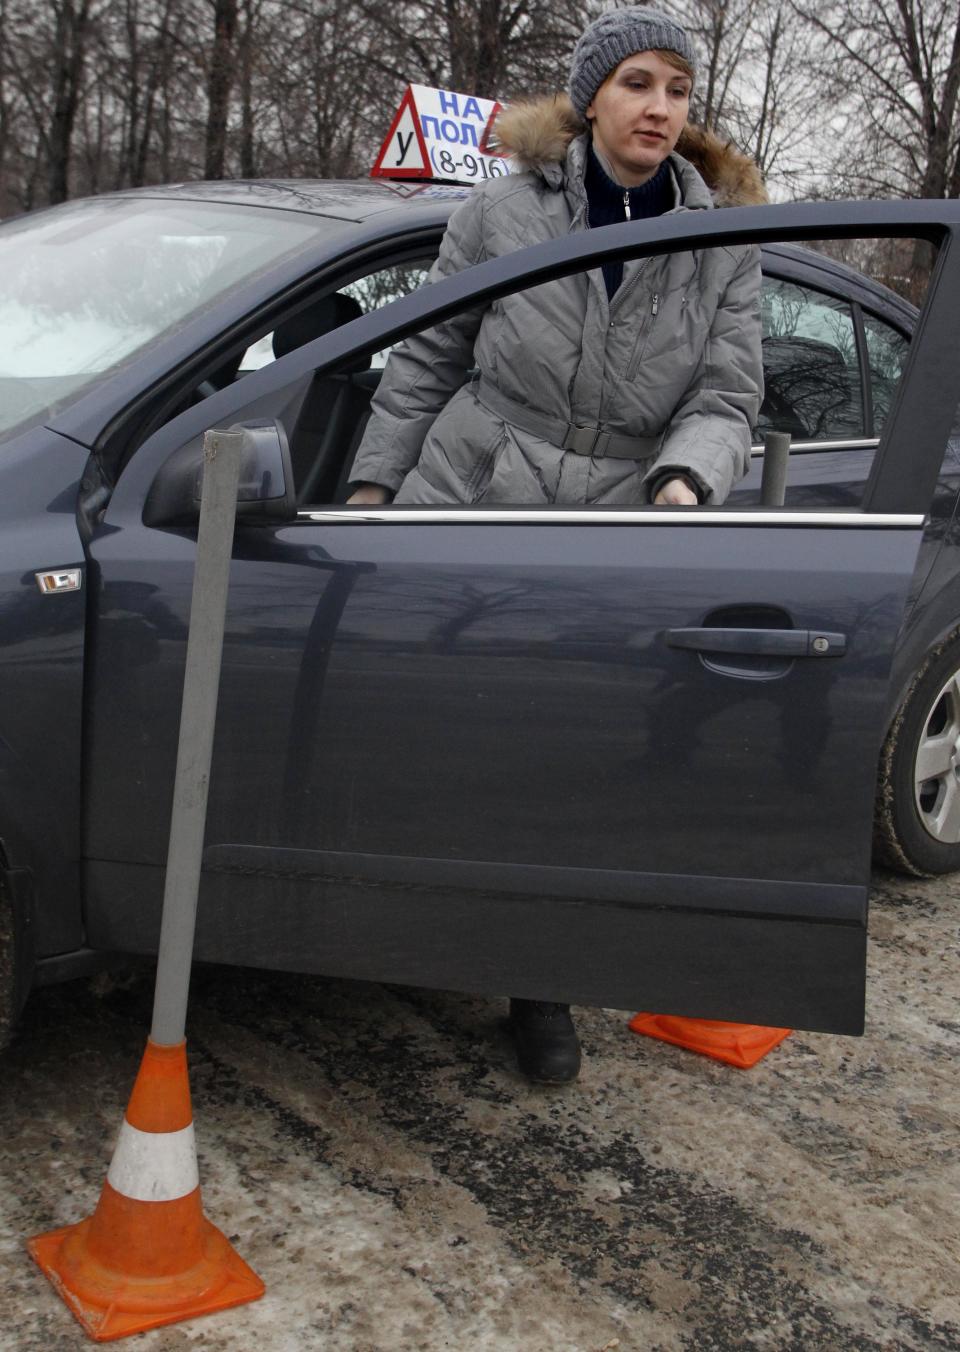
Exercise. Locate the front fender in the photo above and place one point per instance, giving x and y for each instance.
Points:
(42, 639)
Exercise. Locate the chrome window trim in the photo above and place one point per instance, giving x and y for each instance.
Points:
(864, 444)
(580, 516)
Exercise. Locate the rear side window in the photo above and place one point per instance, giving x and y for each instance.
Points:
(812, 379)
(886, 354)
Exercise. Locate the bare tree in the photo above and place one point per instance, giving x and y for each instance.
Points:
(491, 48)
(43, 74)
(97, 94)
(247, 45)
(6, 98)
(895, 68)
(69, 52)
(756, 85)
(722, 30)
(220, 78)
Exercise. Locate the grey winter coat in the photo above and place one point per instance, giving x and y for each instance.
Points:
(672, 363)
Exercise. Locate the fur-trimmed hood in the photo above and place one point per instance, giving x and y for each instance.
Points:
(538, 134)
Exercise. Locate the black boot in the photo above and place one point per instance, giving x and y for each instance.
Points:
(548, 1049)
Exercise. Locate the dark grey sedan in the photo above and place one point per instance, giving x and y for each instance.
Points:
(616, 756)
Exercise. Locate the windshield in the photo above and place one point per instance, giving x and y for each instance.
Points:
(86, 286)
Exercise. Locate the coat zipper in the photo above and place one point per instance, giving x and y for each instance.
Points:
(654, 308)
(643, 338)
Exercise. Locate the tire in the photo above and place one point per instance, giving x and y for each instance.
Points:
(917, 814)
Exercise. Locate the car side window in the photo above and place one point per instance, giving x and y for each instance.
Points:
(380, 288)
(887, 350)
(812, 379)
(363, 295)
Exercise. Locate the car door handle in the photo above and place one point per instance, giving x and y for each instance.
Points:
(760, 642)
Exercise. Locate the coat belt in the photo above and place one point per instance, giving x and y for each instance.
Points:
(583, 438)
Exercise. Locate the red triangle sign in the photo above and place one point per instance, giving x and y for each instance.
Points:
(485, 147)
(404, 152)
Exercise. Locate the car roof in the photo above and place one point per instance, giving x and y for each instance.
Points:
(354, 200)
(414, 203)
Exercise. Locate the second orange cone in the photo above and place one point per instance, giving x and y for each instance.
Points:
(738, 1044)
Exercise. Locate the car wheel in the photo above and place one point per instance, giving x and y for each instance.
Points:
(917, 818)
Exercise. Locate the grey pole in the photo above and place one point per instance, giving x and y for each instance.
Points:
(776, 455)
(201, 684)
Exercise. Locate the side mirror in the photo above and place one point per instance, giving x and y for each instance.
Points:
(266, 492)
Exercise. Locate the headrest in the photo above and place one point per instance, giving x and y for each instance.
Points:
(322, 317)
(795, 354)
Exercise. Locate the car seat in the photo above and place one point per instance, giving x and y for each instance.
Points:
(809, 391)
(335, 407)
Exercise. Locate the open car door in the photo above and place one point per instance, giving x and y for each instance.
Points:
(613, 756)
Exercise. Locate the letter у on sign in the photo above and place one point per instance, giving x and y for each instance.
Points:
(443, 136)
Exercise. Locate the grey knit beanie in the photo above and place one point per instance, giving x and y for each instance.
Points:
(612, 38)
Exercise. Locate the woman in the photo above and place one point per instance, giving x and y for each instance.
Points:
(638, 383)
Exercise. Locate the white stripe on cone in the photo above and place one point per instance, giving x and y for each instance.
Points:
(154, 1166)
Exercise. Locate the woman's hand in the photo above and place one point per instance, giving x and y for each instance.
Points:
(675, 493)
(369, 495)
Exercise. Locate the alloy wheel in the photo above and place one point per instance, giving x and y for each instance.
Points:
(937, 766)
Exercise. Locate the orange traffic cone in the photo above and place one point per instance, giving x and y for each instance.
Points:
(148, 1255)
(738, 1044)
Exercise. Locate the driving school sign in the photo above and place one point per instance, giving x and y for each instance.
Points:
(438, 134)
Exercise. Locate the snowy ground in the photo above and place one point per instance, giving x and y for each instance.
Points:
(375, 1157)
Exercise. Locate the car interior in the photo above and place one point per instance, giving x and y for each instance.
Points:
(334, 409)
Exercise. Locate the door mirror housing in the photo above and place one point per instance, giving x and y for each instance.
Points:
(266, 491)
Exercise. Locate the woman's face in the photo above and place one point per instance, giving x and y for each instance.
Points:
(638, 114)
